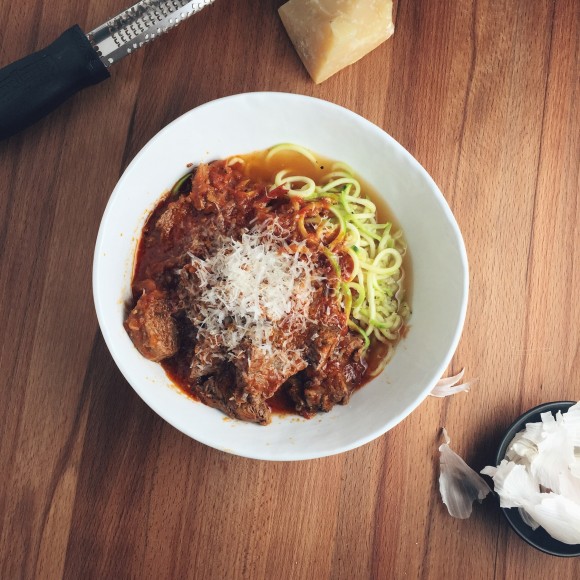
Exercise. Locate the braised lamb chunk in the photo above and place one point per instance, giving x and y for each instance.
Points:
(193, 223)
(351, 349)
(261, 373)
(180, 230)
(326, 333)
(207, 357)
(170, 222)
(219, 391)
(322, 343)
(312, 394)
(152, 328)
(319, 390)
(188, 288)
(258, 373)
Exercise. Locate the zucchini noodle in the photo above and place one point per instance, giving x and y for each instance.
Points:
(291, 147)
(365, 255)
(175, 189)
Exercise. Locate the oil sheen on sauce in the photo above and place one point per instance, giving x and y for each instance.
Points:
(260, 169)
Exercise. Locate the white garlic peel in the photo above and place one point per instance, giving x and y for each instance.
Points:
(459, 485)
(448, 386)
(541, 475)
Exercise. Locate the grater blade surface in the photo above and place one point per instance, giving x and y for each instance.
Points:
(140, 24)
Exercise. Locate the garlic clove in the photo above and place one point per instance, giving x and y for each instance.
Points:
(459, 485)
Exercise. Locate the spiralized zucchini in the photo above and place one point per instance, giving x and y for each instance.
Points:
(345, 223)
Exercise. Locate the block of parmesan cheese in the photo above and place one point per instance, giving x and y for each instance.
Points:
(332, 34)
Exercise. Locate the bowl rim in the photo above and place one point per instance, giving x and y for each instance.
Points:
(511, 514)
(435, 191)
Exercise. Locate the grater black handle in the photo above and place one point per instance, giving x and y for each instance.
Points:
(34, 86)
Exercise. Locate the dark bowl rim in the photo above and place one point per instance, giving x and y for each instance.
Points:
(511, 514)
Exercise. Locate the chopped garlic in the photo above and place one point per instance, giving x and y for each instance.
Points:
(459, 485)
(541, 475)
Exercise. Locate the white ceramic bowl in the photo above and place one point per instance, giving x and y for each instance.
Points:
(254, 121)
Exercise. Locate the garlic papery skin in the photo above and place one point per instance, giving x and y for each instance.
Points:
(449, 386)
(459, 485)
(540, 475)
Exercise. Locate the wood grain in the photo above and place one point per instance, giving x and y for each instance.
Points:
(94, 485)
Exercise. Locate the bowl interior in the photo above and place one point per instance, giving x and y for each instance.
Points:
(254, 121)
(538, 538)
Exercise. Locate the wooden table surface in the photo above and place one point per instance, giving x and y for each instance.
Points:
(93, 484)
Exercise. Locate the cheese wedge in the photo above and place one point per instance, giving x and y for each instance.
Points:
(332, 34)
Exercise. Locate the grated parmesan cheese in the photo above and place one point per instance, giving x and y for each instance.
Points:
(251, 287)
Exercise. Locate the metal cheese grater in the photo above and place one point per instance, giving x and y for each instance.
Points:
(140, 24)
(35, 85)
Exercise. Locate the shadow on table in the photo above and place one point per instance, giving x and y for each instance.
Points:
(129, 455)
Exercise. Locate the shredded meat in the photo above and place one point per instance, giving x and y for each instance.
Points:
(220, 391)
(330, 325)
(207, 357)
(317, 368)
(261, 374)
(320, 389)
(242, 387)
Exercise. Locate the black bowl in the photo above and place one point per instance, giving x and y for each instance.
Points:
(539, 538)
